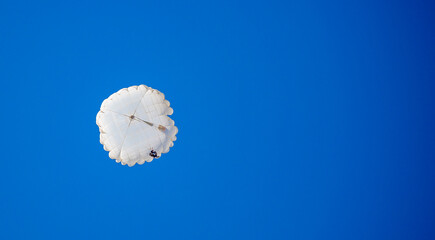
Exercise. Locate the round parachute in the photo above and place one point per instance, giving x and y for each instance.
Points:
(134, 125)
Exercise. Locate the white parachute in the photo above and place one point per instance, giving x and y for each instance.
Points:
(134, 125)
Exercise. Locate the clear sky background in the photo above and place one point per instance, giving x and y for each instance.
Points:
(297, 119)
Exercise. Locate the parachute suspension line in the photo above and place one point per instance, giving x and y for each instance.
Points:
(116, 113)
(123, 140)
(140, 101)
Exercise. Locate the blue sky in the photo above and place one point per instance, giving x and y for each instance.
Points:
(297, 119)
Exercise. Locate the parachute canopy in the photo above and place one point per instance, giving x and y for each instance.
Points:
(134, 125)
